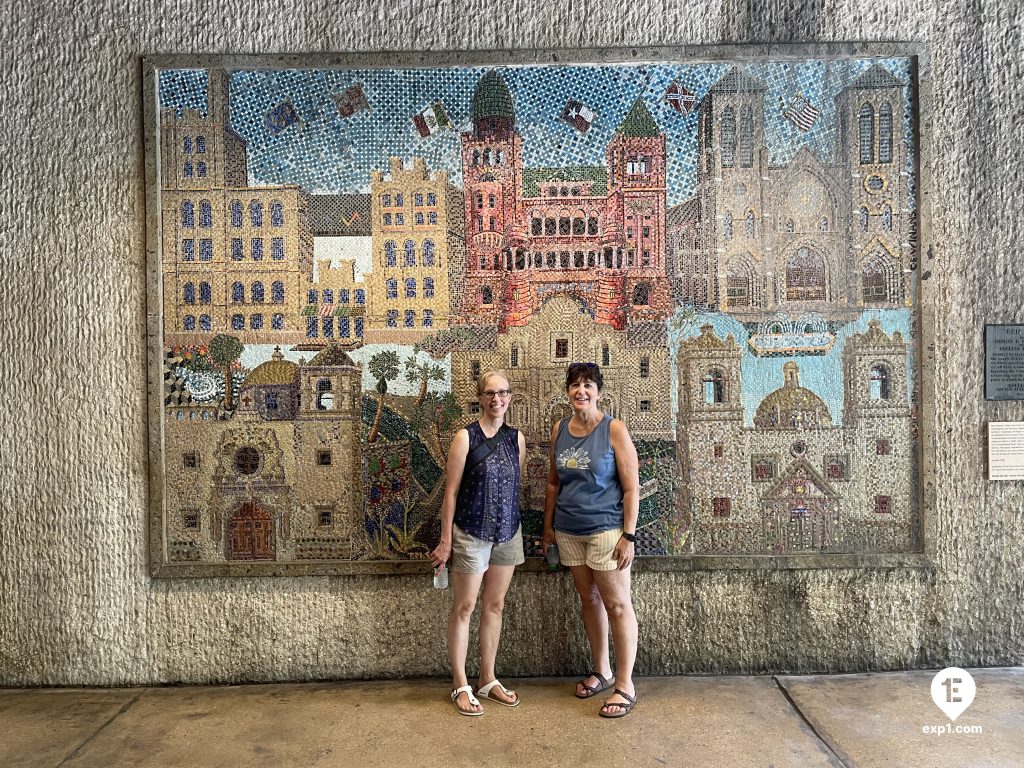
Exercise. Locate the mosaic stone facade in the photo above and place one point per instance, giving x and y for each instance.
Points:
(344, 251)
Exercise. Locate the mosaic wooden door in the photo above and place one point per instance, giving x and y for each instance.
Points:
(252, 533)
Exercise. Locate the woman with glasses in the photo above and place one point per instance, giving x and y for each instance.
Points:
(591, 509)
(481, 533)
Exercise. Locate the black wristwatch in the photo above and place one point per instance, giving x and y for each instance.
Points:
(631, 537)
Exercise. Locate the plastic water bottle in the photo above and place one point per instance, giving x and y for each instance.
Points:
(441, 576)
(552, 555)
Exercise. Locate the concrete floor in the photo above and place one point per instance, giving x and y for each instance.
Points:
(851, 720)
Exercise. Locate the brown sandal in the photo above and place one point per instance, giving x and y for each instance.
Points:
(603, 684)
(624, 707)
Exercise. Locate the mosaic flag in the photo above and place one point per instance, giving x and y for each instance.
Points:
(578, 116)
(431, 120)
(278, 118)
(351, 100)
(680, 98)
(326, 310)
(802, 113)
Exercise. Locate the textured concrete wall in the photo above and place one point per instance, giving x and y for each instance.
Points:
(76, 603)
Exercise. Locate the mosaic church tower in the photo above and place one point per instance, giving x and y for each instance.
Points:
(594, 233)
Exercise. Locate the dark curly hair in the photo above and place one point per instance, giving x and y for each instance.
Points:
(584, 372)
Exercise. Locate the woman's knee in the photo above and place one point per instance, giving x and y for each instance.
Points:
(463, 609)
(590, 596)
(494, 605)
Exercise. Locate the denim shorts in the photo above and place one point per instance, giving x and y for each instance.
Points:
(473, 555)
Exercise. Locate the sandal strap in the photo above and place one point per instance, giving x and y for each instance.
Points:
(468, 690)
(630, 700)
(485, 690)
(602, 683)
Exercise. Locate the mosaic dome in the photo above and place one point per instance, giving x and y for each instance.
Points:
(792, 406)
(273, 372)
(492, 98)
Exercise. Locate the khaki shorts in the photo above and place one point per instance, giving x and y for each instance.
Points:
(473, 555)
(594, 551)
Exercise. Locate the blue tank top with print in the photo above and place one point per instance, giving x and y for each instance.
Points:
(487, 505)
(589, 495)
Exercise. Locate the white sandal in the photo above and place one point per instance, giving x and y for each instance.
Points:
(485, 691)
(473, 700)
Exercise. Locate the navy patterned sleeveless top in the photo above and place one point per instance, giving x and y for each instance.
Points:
(487, 505)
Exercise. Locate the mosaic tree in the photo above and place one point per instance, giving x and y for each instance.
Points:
(225, 351)
(422, 374)
(384, 368)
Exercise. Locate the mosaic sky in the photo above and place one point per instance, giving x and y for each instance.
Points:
(328, 153)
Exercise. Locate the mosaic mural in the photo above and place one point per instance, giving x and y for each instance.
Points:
(343, 251)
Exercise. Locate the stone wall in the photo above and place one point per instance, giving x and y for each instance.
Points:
(78, 606)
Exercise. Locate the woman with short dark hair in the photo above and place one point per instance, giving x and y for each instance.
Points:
(591, 510)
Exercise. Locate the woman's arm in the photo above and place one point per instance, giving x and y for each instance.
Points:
(457, 454)
(628, 468)
(551, 493)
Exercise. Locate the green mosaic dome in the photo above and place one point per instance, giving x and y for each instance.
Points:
(638, 121)
(492, 98)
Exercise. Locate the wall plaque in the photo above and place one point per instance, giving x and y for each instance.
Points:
(1006, 450)
(1004, 362)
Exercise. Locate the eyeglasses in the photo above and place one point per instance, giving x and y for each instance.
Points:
(502, 393)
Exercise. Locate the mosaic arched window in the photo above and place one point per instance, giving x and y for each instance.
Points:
(186, 170)
(885, 133)
(410, 253)
(863, 219)
(237, 323)
(410, 287)
(257, 292)
(805, 276)
(390, 254)
(277, 322)
(887, 219)
(642, 295)
(256, 322)
(750, 224)
(428, 253)
(205, 294)
(486, 295)
(277, 292)
(867, 133)
(739, 285)
(728, 136)
(410, 318)
(237, 293)
(200, 169)
(236, 213)
(392, 288)
(186, 145)
(428, 318)
(188, 214)
(201, 145)
(324, 395)
(189, 323)
(205, 213)
(256, 213)
(204, 323)
(727, 225)
(276, 214)
(880, 381)
(360, 296)
(713, 387)
(189, 293)
(428, 287)
(747, 137)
